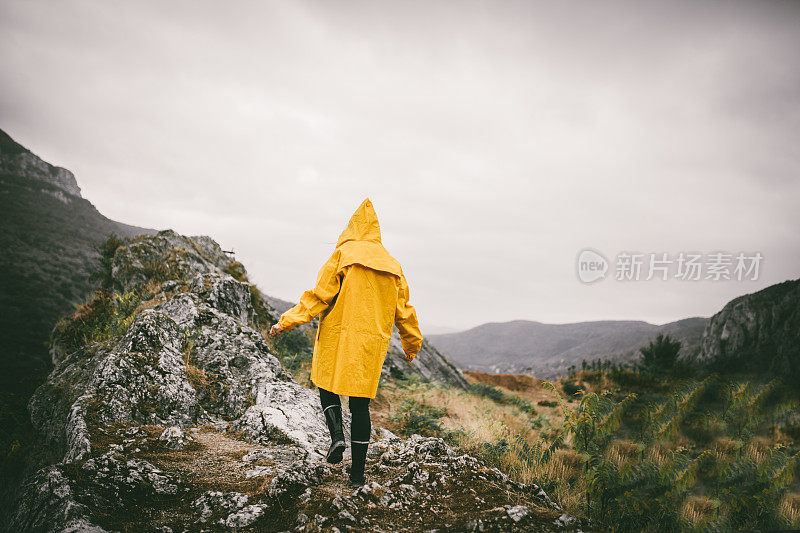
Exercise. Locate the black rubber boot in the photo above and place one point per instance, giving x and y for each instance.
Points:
(359, 459)
(333, 417)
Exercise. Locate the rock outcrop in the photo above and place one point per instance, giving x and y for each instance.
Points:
(173, 414)
(760, 331)
(219, 483)
(17, 159)
(190, 356)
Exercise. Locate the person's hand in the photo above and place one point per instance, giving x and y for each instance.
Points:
(409, 359)
(275, 330)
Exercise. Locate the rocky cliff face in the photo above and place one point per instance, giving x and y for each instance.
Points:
(176, 416)
(759, 331)
(17, 159)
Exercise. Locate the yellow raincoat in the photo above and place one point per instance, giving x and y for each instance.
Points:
(361, 292)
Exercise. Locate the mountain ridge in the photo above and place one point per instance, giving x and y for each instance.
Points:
(50, 241)
(548, 350)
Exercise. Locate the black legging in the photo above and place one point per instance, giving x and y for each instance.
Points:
(359, 407)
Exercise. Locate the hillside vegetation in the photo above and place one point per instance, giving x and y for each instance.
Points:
(656, 446)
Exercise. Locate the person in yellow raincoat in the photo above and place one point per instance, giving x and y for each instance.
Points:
(360, 294)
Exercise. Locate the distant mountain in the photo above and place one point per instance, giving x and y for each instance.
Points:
(280, 306)
(48, 242)
(547, 350)
(758, 332)
(433, 329)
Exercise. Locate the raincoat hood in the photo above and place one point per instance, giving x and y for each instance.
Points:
(361, 294)
(363, 225)
(360, 242)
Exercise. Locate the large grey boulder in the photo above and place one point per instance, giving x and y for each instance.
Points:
(193, 358)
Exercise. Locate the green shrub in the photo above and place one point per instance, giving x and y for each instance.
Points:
(498, 396)
(105, 315)
(660, 355)
(571, 389)
(488, 391)
(413, 417)
(637, 478)
(293, 343)
(236, 270)
(262, 318)
(107, 250)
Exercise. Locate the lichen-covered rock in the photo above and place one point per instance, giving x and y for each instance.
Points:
(422, 483)
(185, 417)
(65, 497)
(245, 516)
(215, 502)
(174, 438)
(192, 358)
(47, 503)
(297, 478)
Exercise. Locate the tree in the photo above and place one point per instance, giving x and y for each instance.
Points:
(106, 250)
(660, 355)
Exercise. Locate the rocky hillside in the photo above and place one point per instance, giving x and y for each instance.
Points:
(548, 350)
(167, 411)
(49, 241)
(758, 332)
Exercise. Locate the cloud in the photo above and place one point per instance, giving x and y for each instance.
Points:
(495, 139)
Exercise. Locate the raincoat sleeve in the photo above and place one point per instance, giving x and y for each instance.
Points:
(405, 318)
(316, 300)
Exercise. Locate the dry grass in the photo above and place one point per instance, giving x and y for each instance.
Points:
(479, 420)
(699, 510)
(513, 382)
(512, 440)
(623, 452)
(724, 448)
(758, 449)
(526, 387)
(790, 508)
(198, 378)
(660, 452)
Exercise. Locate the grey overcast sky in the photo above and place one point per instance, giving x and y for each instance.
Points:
(496, 139)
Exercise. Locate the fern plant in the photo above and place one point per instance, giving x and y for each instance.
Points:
(591, 426)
